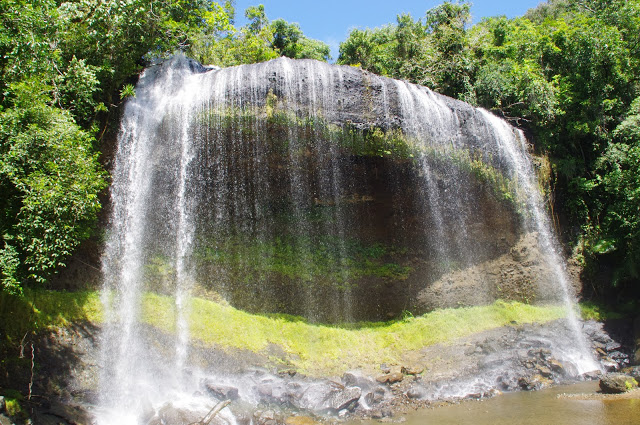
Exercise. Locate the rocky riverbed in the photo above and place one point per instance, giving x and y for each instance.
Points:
(265, 391)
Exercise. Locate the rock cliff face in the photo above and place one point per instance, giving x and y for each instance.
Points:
(327, 192)
(321, 191)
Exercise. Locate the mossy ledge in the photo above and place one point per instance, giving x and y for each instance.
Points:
(314, 350)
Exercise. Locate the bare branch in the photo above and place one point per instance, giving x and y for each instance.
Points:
(213, 412)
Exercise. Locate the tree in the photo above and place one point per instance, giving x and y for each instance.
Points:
(509, 77)
(62, 65)
(260, 40)
(372, 50)
(616, 231)
(288, 40)
(452, 62)
(50, 179)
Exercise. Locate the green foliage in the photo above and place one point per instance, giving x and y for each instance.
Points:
(117, 36)
(434, 53)
(127, 91)
(509, 78)
(77, 89)
(619, 207)
(63, 66)
(592, 311)
(372, 50)
(289, 41)
(14, 409)
(258, 41)
(52, 180)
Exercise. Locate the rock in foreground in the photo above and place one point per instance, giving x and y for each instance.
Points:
(617, 383)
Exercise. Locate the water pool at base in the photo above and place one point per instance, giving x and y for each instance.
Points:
(563, 405)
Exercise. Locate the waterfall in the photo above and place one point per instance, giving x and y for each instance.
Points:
(303, 188)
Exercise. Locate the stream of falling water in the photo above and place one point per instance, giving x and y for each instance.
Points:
(159, 194)
(513, 146)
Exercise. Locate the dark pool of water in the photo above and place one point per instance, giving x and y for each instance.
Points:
(544, 407)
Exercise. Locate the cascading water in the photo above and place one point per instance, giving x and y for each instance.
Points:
(303, 188)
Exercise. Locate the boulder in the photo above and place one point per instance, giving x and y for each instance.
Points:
(169, 414)
(617, 383)
(416, 393)
(609, 365)
(544, 371)
(591, 375)
(300, 420)
(315, 395)
(390, 378)
(633, 371)
(636, 340)
(377, 414)
(381, 413)
(221, 392)
(349, 379)
(556, 366)
(533, 382)
(267, 417)
(412, 370)
(344, 399)
(374, 397)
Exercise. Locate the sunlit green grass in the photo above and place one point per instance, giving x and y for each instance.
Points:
(37, 310)
(312, 349)
(332, 349)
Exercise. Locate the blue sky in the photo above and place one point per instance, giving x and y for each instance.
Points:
(331, 20)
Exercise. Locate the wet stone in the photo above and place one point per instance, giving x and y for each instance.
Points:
(169, 414)
(556, 366)
(344, 399)
(221, 392)
(300, 420)
(267, 417)
(545, 371)
(376, 414)
(591, 375)
(617, 383)
(349, 379)
(609, 364)
(390, 378)
(412, 370)
(374, 397)
(633, 371)
(612, 346)
(416, 393)
(534, 382)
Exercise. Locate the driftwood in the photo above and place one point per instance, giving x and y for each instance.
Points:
(212, 413)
